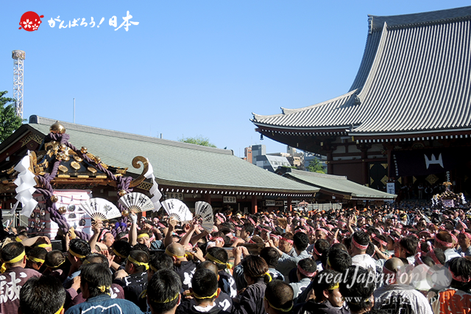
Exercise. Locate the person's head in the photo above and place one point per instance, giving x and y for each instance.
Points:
(13, 255)
(464, 240)
(360, 242)
(247, 230)
(460, 269)
(437, 255)
(204, 286)
(278, 297)
(218, 256)
(94, 258)
(141, 247)
(122, 236)
(380, 241)
(208, 265)
(406, 247)
(138, 262)
(147, 224)
(36, 257)
(337, 259)
(22, 230)
(42, 295)
(159, 261)
(270, 255)
(163, 291)
(143, 238)
(390, 269)
(306, 268)
(300, 241)
(321, 246)
(443, 240)
(78, 250)
(320, 234)
(121, 250)
(255, 268)
(54, 259)
(176, 252)
(357, 288)
(286, 242)
(95, 279)
(108, 239)
(326, 287)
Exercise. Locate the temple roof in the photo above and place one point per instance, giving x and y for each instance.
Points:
(415, 77)
(174, 163)
(337, 185)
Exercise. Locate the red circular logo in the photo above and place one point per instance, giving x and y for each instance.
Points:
(30, 21)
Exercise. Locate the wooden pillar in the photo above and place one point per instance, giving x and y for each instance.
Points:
(330, 166)
(289, 205)
(364, 163)
(207, 198)
(389, 149)
(254, 204)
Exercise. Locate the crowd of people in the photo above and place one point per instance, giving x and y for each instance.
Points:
(368, 260)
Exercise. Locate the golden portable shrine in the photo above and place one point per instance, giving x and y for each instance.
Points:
(54, 183)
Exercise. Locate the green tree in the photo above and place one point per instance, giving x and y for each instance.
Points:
(9, 121)
(203, 141)
(316, 166)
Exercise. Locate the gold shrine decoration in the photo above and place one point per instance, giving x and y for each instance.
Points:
(432, 179)
(385, 180)
(135, 164)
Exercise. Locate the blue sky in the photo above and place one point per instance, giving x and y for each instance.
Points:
(189, 68)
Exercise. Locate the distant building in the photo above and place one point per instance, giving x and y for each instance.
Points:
(248, 154)
(270, 162)
(257, 155)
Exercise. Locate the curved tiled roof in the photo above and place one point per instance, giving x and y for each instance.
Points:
(175, 163)
(337, 184)
(319, 115)
(415, 76)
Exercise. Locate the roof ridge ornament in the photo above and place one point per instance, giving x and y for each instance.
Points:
(357, 100)
(370, 24)
(57, 128)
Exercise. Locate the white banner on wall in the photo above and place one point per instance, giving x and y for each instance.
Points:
(40, 220)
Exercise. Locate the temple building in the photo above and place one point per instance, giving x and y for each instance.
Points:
(406, 118)
(103, 162)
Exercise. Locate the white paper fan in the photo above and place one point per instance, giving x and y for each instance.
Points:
(136, 202)
(177, 209)
(205, 211)
(99, 208)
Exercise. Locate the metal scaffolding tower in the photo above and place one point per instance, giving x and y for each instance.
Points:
(18, 83)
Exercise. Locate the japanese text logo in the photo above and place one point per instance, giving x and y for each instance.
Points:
(30, 21)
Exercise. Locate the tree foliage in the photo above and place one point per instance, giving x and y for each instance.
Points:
(9, 121)
(203, 141)
(316, 166)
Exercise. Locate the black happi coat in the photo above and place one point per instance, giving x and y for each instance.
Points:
(251, 300)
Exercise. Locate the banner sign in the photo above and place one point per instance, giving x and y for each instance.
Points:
(425, 162)
(40, 220)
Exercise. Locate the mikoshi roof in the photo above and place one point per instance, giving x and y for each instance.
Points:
(337, 185)
(176, 163)
(415, 77)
